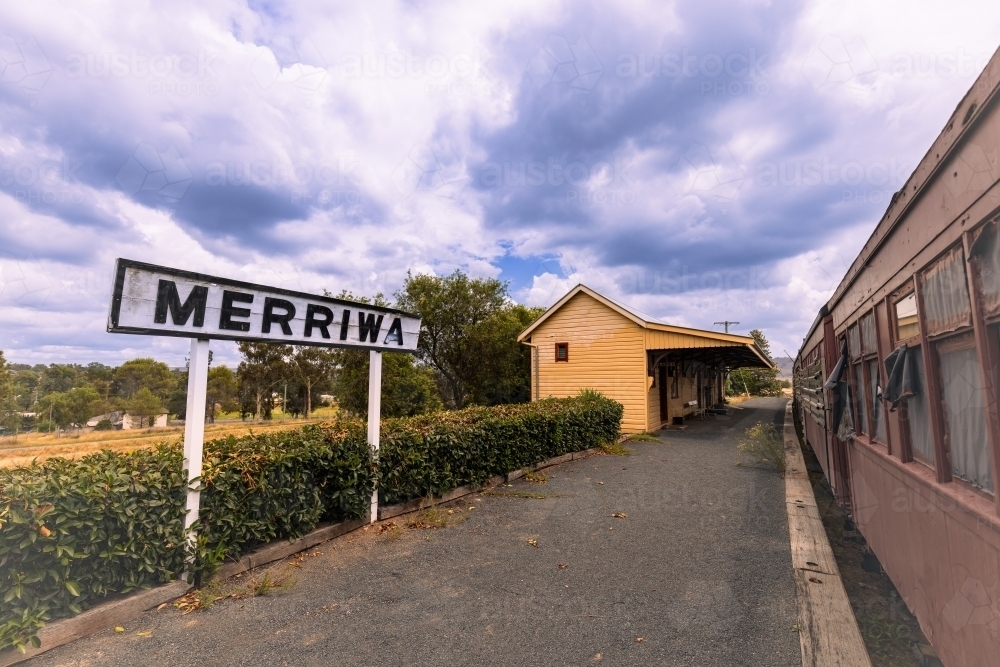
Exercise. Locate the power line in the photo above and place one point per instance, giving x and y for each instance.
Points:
(726, 323)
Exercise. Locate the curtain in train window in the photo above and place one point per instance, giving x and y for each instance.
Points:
(946, 294)
(854, 341)
(987, 250)
(874, 391)
(965, 412)
(918, 414)
(868, 334)
(860, 411)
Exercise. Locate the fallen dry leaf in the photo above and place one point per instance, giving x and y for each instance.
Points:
(533, 543)
(162, 606)
(144, 633)
(119, 629)
(563, 566)
(44, 532)
(639, 639)
(601, 483)
(620, 515)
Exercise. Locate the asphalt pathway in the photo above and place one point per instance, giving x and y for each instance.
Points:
(697, 573)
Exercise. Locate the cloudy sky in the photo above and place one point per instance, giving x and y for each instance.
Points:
(701, 161)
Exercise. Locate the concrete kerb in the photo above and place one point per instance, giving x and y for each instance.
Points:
(828, 631)
(120, 611)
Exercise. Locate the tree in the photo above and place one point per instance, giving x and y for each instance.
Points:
(145, 405)
(755, 381)
(222, 392)
(10, 412)
(451, 308)
(313, 367)
(407, 388)
(60, 378)
(82, 403)
(503, 374)
(101, 378)
(70, 408)
(154, 375)
(264, 366)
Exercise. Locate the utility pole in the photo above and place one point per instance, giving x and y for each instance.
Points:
(726, 324)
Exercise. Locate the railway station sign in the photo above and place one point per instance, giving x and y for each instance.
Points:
(160, 301)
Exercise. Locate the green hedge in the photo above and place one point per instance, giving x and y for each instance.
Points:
(74, 531)
(432, 454)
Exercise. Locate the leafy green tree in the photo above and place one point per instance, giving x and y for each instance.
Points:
(71, 408)
(82, 403)
(467, 335)
(313, 367)
(10, 411)
(504, 372)
(407, 388)
(147, 373)
(145, 405)
(222, 392)
(755, 381)
(60, 378)
(264, 366)
(25, 387)
(101, 378)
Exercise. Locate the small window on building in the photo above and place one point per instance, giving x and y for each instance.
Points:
(562, 351)
(907, 325)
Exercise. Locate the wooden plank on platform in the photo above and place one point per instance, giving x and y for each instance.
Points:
(828, 632)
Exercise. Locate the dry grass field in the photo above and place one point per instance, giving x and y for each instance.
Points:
(30, 446)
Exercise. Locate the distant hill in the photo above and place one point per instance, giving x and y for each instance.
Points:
(784, 367)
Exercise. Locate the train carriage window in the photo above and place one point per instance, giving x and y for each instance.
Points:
(918, 416)
(868, 334)
(874, 385)
(946, 294)
(860, 402)
(964, 399)
(986, 251)
(854, 341)
(907, 324)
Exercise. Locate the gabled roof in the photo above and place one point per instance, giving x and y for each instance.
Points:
(642, 320)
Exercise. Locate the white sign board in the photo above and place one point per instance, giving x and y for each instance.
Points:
(158, 301)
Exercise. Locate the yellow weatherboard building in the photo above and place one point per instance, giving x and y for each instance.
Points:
(658, 371)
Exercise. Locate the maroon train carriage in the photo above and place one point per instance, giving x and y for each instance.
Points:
(896, 385)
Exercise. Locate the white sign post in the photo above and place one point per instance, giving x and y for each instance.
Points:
(160, 301)
(374, 415)
(194, 432)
